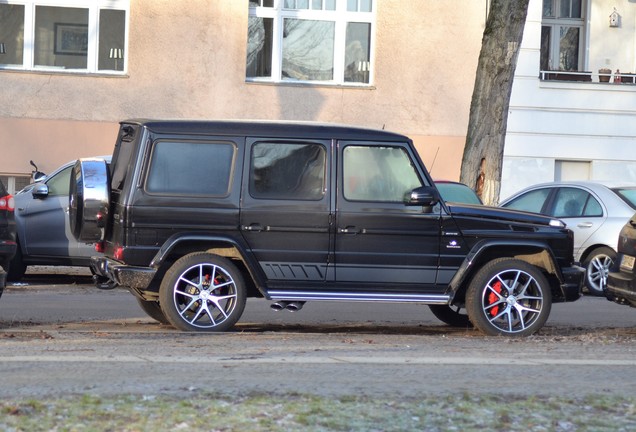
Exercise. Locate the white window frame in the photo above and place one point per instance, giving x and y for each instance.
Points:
(341, 17)
(555, 25)
(93, 6)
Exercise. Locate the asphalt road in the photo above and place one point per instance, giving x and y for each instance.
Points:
(58, 337)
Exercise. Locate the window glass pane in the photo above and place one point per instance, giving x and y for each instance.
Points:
(302, 4)
(548, 8)
(357, 52)
(330, 4)
(316, 4)
(546, 64)
(627, 195)
(290, 4)
(365, 5)
(593, 208)
(112, 31)
(189, 168)
(570, 9)
(532, 201)
(61, 37)
(569, 48)
(569, 203)
(59, 184)
(11, 34)
(308, 50)
(259, 47)
(352, 5)
(378, 174)
(288, 171)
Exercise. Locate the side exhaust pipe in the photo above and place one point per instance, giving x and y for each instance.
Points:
(292, 306)
(295, 306)
(279, 305)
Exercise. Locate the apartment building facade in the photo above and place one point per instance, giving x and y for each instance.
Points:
(70, 70)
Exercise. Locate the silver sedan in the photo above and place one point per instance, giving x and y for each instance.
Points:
(594, 211)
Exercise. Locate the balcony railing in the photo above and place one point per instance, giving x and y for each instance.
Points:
(584, 76)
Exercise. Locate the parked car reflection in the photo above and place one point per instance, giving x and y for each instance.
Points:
(594, 211)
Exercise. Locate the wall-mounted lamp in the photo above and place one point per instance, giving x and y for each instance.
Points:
(3, 49)
(116, 54)
(615, 19)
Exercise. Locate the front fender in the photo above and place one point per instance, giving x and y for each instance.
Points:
(533, 252)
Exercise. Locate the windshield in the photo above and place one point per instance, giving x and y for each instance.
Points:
(457, 192)
(628, 195)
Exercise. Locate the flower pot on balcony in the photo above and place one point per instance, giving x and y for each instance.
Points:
(604, 75)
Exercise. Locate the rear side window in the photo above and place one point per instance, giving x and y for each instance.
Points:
(288, 171)
(191, 168)
(574, 202)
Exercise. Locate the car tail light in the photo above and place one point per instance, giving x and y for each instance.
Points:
(119, 253)
(99, 247)
(7, 203)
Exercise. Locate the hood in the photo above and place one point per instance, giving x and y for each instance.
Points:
(503, 214)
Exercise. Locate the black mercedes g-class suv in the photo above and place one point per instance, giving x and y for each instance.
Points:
(195, 216)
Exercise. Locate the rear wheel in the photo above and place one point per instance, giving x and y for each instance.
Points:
(508, 297)
(454, 316)
(17, 268)
(597, 266)
(89, 199)
(202, 292)
(153, 310)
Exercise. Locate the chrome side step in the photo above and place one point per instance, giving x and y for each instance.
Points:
(439, 299)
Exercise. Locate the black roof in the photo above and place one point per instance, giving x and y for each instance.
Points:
(266, 128)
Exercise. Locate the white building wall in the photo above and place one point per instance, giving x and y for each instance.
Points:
(553, 121)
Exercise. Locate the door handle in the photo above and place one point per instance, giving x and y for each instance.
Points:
(349, 230)
(253, 227)
(584, 225)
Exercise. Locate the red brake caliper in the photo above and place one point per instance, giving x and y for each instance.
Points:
(493, 298)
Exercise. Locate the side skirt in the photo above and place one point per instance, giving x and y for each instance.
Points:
(438, 299)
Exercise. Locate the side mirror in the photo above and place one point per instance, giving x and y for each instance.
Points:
(40, 191)
(38, 176)
(425, 196)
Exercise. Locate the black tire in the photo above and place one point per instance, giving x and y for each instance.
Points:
(89, 197)
(508, 297)
(202, 292)
(17, 268)
(454, 316)
(153, 310)
(597, 266)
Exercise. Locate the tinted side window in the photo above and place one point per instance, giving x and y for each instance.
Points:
(287, 171)
(191, 168)
(373, 173)
(532, 201)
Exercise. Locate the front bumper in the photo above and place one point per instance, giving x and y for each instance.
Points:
(110, 274)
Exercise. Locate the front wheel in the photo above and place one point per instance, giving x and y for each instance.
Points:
(597, 266)
(508, 297)
(202, 292)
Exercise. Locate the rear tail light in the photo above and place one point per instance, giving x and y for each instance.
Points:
(99, 247)
(7, 203)
(119, 253)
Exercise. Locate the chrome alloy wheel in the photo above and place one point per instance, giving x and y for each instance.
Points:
(512, 301)
(205, 295)
(597, 270)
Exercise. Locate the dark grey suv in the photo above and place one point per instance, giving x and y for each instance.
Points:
(195, 217)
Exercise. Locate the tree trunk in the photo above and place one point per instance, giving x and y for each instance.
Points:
(483, 152)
